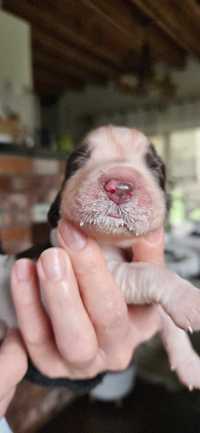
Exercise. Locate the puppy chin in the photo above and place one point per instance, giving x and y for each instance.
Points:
(108, 229)
(112, 226)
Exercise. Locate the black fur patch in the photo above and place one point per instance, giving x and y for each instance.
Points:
(157, 166)
(54, 211)
(76, 160)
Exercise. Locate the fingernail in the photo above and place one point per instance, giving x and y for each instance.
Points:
(22, 270)
(72, 237)
(53, 264)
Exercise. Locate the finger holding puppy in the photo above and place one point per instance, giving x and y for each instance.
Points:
(11, 372)
(33, 321)
(74, 333)
(101, 297)
(65, 344)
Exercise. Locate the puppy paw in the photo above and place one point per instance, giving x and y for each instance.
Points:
(188, 371)
(183, 359)
(182, 303)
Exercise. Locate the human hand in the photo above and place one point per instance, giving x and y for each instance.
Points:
(89, 328)
(13, 366)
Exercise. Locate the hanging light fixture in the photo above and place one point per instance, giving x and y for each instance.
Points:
(142, 78)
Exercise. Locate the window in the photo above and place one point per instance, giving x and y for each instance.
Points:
(183, 156)
(159, 144)
(181, 152)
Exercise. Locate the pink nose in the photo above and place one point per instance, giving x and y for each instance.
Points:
(118, 191)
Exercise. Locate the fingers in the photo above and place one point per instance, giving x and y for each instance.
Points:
(5, 402)
(89, 321)
(150, 248)
(33, 322)
(13, 365)
(74, 332)
(102, 298)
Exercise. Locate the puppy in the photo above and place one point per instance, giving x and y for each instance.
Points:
(114, 190)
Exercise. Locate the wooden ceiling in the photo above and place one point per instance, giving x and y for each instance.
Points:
(76, 42)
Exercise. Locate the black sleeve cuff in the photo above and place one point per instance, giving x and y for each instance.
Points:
(78, 386)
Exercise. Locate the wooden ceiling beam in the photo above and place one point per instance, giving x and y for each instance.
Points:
(67, 55)
(90, 31)
(110, 33)
(47, 83)
(56, 74)
(56, 33)
(172, 18)
(45, 88)
(120, 15)
(56, 64)
(75, 27)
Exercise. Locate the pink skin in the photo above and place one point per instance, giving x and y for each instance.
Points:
(115, 153)
(119, 190)
(11, 372)
(140, 283)
(89, 328)
(137, 187)
(100, 329)
(85, 199)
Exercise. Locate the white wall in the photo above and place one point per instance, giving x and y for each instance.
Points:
(16, 68)
(15, 50)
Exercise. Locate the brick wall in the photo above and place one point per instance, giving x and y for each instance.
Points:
(24, 183)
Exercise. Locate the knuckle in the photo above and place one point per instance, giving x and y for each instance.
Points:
(51, 373)
(114, 317)
(84, 373)
(20, 368)
(82, 356)
(35, 341)
(47, 370)
(121, 360)
(91, 373)
(122, 364)
(90, 267)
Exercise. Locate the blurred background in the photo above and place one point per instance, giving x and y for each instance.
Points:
(67, 66)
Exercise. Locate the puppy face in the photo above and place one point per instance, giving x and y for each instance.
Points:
(114, 186)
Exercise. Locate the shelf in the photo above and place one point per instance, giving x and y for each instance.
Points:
(37, 152)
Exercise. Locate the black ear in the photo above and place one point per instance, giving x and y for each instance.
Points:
(54, 212)
(157, 166)
(75, 161)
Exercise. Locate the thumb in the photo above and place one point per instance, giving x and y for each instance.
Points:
(150, 248)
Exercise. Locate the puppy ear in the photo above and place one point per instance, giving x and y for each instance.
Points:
(76, 160)
(54, 211)
(157, 166)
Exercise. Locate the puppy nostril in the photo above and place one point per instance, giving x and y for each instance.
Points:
(123, 187)
(118, 191)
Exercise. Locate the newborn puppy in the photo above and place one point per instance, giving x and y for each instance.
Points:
(114, 189)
